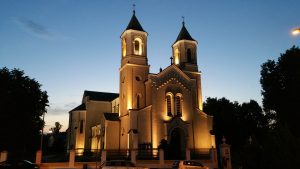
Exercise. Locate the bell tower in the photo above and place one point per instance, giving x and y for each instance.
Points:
(185, 57)
(133, 73)
(185, 50)
(134, 43)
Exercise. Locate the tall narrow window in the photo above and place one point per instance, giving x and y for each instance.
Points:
(117, 109)
(137, 46)
(123, 47)
(169, 105)
(138, 100)
(176, 54)
(81, 126)
(189, 55)
(178, 106)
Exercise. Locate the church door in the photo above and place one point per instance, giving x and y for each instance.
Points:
(177, 144)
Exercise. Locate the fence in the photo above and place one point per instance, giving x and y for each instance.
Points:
(200, 154)
(154, 156)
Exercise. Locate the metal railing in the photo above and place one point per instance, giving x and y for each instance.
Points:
(148, 154)
(200, 154)
(49, 156)
(92, 155)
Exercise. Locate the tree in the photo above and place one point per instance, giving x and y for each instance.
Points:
(280, 83)
(225, 121)
(58, 138)
(22, 105)
(237, 122)
(55, 130)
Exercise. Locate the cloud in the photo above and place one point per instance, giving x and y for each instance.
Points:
(71, 105)
(57, 111)
(37, 30)
(61, 109)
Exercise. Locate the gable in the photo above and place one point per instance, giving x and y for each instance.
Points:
(172, 75)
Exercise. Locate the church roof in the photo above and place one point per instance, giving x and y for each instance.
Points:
(100, 96)
(80, 107)
(134, 24)
(184, 34)
(112, 116)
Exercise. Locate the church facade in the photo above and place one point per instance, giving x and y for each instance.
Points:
(149, 107)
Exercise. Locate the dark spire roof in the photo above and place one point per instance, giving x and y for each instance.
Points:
(134, 23)
(184, 34)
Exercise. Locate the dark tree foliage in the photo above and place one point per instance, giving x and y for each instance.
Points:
(224, 117)
(280, 81)
(56, 128)
(238, 122)
(58, 138)
(22, 104)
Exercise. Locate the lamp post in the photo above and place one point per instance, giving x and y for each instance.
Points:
(296, 31)
(38, 159)
(42, 134)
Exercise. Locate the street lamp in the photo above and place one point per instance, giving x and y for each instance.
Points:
(296, 31)
(42, 132)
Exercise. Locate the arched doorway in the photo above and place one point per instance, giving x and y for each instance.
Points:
(177, 144)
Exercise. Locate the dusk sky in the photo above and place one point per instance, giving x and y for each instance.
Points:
(70, 46)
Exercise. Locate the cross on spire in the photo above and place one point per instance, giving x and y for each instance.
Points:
(182, 20)
(133, 8)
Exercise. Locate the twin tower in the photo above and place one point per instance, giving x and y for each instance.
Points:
(166, 105)
(134, 59)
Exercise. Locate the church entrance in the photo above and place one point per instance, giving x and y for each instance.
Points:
(177, 144)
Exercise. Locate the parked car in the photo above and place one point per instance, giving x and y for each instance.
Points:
(188, 164)
(20, 164)
(119, 164)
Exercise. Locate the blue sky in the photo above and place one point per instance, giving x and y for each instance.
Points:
(73, 45)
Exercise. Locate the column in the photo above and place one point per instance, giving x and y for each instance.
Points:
(72, 158)
(225, 155)
(38, 157)
(3, 156)
(188, 154)
(161, 157)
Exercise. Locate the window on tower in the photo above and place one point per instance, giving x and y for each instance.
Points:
(137, 46)
(123, 47)
(189, 55)
(176, 54)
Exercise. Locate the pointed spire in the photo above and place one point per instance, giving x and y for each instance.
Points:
(134, 23)
(184, 33)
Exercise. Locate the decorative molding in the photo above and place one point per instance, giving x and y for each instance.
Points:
(172, 76)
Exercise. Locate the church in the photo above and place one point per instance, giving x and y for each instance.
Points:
(149, 107)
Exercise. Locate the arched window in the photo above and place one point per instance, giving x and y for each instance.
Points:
(176, 54)
(170, 104)
(123, 47)
(137, 46)
(189, 55)
(178, 105)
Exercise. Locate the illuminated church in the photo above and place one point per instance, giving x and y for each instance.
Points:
(149, 107)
